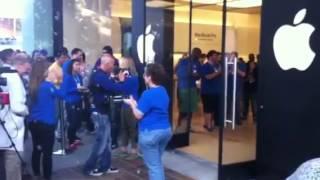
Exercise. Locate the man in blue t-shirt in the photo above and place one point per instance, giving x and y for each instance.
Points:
(188, 72)
(241, 73)
(211, 89)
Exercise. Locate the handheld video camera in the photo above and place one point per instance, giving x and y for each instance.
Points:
(117, 70)
(4, 96)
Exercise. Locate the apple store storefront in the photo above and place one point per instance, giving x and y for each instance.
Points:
(271, 140)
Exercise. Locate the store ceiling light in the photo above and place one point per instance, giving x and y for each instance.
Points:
(158, 4)
(231, 3)
(205, 1)
(243, 3)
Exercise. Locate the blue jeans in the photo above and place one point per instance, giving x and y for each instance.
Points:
(152, 144)
(100, 157)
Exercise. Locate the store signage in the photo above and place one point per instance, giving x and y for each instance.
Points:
(291, 44)
(204, 36)
(149, 49)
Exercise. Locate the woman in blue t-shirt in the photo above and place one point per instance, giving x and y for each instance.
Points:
(72, 87)
(153, 116)
(42, 119)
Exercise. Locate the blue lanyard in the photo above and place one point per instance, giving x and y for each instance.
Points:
(76, 79)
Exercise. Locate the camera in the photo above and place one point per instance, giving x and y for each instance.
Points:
(118, 98)
(5, 96)
(116, 71)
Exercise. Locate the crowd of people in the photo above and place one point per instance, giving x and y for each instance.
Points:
(208, 69)
(104, 98)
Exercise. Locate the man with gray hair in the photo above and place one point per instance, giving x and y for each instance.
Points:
(12, 116)
(22, 63)
(102, 88)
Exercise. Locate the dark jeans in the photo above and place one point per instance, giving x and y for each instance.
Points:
(74, 119)
(100, 157)
(86, 113)
(237, 107)
(218, 109)
(115, 119)
(250, 99)
(43, 140)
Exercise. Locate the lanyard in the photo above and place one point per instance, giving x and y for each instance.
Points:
(77, 79)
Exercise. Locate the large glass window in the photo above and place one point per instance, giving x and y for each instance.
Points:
(26, 25)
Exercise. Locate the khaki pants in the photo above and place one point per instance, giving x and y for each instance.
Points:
(128, 132)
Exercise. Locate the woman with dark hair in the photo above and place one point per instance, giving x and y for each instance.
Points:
(153, 116)
(72, 86)
(35, 54)
(42, 119)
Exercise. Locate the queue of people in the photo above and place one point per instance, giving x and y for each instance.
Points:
(86, 95)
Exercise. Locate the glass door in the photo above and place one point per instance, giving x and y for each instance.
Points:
(242, 37)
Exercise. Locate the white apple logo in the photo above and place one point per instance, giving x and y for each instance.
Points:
(149, 52)
(291, 44)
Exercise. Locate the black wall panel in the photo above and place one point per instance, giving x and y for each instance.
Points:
(289, 114)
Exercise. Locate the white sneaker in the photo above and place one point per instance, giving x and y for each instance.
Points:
(112, 171)
(59, 152)
(95, 173)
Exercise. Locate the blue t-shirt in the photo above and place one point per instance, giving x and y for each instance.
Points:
(65, 66)
(44, 109)
(133, 88)
(154, 104)
(184, 71)
(69, 87)
(211, 86)
(240, 80)
(69, 84)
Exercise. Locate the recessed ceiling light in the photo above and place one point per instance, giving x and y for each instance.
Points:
(231, 3)
(158, 3)
(243, 3)
(205, 1)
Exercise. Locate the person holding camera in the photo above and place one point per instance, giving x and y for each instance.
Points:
(128, 130)
(42, 121)
(12, 116)
(102, 87)
(153, 116)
